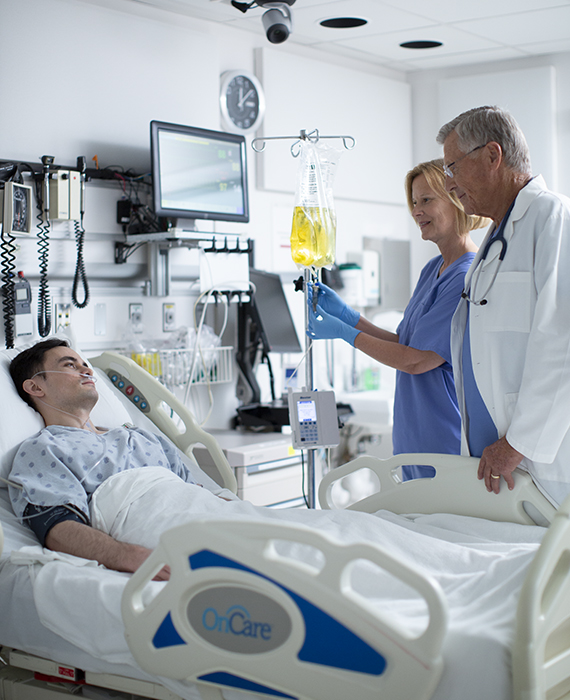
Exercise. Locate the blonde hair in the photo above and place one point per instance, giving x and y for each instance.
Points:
(432, 170)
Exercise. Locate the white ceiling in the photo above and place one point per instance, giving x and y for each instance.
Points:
(472, 31)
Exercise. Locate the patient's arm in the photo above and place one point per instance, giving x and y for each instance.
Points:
(81, 540)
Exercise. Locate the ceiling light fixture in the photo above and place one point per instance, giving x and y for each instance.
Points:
(421, 44)
(343, 22)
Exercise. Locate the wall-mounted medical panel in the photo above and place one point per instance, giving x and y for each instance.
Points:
(373, 109)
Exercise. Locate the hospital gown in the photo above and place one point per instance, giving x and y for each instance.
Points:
(64, 465)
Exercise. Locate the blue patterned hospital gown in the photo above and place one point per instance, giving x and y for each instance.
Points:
(63, 465)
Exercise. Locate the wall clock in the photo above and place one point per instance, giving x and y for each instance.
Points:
(242, 101)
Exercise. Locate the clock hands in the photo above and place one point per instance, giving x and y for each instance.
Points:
(243, 98)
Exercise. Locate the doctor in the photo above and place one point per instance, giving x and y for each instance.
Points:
(510, 335)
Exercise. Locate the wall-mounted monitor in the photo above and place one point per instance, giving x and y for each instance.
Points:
(198, 173)
(16, 208)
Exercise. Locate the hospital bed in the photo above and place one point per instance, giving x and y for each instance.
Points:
(331, 641)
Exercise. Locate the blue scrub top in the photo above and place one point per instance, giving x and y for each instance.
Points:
(426, 414)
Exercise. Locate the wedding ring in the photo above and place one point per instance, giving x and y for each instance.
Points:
(495, 476)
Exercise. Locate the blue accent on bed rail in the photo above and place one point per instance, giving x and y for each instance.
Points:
(327, 641)
(229, 679)
(166, 635)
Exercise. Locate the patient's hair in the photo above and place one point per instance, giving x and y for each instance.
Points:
(31, 361)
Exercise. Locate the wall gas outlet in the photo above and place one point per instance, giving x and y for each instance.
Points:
(168, 318)
(136, 317)
(62, 316)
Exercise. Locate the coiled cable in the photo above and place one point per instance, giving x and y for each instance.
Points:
(8, 266)
(44, 301)
(80, 275)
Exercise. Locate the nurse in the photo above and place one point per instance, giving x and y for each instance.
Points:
(426, 414)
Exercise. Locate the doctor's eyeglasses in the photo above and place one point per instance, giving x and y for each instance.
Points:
(448, 169)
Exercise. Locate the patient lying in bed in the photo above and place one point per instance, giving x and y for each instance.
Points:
(108, 495)
(55, 473)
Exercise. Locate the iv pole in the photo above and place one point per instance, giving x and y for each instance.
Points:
(258, 145)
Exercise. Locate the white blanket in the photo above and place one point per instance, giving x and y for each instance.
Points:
(480, 566)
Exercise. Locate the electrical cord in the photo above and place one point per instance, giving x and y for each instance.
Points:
(8, 268)
(80, 241)
(80, 275)
(44, 301)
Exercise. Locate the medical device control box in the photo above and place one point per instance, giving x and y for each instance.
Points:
(22, 306)
(313, 418)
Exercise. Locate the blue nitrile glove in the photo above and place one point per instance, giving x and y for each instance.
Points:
(333, 304)
(324, 326)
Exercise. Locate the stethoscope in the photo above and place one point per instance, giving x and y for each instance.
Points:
(496, 237)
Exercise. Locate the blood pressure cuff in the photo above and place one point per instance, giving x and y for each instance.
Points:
(42, 518)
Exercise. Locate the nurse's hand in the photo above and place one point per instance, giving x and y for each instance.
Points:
(330, 302)
(498, 460)
(324, 326)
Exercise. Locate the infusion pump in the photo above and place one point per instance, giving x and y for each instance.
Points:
(313, 418)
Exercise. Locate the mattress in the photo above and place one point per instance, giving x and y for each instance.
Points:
(482, 607)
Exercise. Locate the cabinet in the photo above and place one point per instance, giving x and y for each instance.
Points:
(267, 468)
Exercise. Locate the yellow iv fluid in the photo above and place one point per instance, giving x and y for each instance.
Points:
(313, 236)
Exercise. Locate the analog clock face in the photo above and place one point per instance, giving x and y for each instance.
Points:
(242, 103)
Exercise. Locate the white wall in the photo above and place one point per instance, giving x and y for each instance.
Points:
(426, 116)
(86, 78)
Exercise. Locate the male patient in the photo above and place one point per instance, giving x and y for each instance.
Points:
(55, 472)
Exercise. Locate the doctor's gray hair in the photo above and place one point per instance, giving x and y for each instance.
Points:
(481, 125)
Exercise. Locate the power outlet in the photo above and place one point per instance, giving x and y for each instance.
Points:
(136, 317)
(168, 317)
(62, 316)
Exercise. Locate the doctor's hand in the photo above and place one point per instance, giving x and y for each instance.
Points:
(330, 302)
(324, 326)
(498, 460)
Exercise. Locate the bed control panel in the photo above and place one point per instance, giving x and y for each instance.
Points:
(126, 387)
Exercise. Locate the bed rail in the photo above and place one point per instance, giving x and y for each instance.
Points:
(239, 611)
(156, 398)
(454, 489)
(541, 650)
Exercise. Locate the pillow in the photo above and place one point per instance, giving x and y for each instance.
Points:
(18, 421)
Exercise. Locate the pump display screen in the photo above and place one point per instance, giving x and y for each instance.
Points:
(306, 411)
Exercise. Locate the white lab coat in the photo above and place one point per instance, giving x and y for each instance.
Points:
(520, 340)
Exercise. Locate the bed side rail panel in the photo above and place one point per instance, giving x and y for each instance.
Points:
(157, 396)
(238, 612)
(454, 489)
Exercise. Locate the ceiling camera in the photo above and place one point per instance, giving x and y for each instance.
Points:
(277, 20)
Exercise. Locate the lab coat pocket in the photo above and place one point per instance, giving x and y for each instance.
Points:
(509, 303)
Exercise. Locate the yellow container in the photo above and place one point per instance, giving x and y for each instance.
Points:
(313, 236)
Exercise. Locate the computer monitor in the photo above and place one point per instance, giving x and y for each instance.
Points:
(198, 173)
(275, 318)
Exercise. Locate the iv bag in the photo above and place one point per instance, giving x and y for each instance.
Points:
(313, 233)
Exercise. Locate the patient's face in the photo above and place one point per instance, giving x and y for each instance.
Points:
(68, 381)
